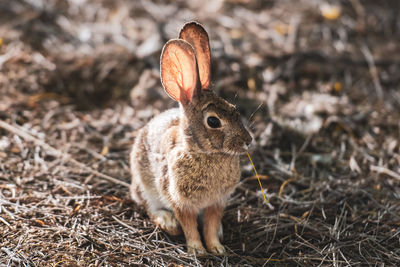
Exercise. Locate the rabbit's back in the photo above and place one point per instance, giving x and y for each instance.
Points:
(149, 155)
(158, 130)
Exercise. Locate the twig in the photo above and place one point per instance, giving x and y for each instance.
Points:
(386, 171)
(57, 153)
(11, 254)
(360, 10)
(293, 32)
(124, 224)
(373, 70)
(4, 221)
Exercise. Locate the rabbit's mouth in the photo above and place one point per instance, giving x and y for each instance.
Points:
(237, 152)
(233, 153)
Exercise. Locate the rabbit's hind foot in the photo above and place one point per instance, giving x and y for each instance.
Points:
(166, 221)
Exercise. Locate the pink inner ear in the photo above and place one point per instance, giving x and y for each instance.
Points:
(179, 70)
(195, 34)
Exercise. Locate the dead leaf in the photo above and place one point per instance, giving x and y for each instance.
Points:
(40, 222)
(330, 12)
(104, 151)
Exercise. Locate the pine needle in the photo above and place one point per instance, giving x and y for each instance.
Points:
(258, 178)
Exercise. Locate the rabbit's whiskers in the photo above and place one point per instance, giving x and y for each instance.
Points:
(255, 111)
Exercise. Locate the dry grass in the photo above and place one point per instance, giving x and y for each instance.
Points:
(322, 98)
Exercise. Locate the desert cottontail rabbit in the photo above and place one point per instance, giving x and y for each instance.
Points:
(186, 160)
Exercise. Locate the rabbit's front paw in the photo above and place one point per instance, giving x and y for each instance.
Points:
(217, 248)
(196, 248)
(166, 221)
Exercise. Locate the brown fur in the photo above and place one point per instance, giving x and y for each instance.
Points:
(212, 220)
(188, 221)
(180, 165)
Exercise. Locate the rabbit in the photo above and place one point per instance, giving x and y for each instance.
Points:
(186, 160)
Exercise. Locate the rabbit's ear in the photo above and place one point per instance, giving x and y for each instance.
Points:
(195, 35)
(179, 70)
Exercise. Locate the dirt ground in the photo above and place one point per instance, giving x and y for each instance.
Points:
(317, 82)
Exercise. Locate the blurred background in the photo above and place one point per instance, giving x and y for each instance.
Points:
(282, 58)
(316, 81)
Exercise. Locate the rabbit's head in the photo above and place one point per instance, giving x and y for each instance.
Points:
(209, 123)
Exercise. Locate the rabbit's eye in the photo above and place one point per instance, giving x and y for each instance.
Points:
(213, 122)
